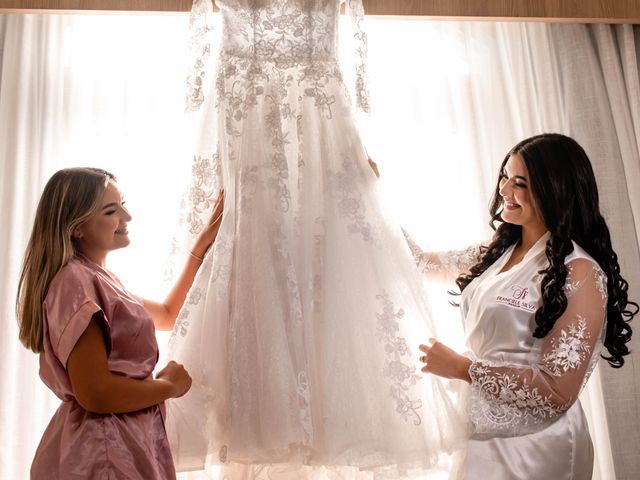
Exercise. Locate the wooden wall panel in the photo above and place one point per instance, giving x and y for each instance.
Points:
(98, 5)
(586, 10)
(609, 11)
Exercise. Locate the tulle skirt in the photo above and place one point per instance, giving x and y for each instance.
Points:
(302, 326)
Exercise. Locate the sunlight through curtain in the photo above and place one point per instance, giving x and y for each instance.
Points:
(449, 100)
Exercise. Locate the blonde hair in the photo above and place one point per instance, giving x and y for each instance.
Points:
(69, 198)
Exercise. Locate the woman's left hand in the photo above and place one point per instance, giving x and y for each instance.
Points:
(209, 232)
(442, 361)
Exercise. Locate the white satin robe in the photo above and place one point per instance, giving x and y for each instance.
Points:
(527, 422)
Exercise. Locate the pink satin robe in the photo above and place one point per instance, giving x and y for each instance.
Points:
(78, 444)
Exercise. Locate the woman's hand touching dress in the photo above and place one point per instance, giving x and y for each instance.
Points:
(440, 360)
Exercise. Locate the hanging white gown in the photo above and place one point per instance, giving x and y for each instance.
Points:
(301, 328)
(527, 422)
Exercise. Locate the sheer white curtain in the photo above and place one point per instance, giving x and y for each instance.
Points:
(449, 100)
(461, 106)
(601, 99)
(82, 91)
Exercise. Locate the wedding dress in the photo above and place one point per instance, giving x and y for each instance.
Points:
(302, 326)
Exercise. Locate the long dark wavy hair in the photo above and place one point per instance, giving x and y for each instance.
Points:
(564, 189)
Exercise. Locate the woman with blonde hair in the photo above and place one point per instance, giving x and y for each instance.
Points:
(96, 340)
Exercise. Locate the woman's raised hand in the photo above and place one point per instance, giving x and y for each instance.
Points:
(213, 225)
(218, 208)
(208, 234)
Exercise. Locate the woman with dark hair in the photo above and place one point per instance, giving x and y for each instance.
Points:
(540, 304)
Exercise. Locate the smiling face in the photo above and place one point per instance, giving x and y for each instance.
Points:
(519, 206)
(106, 229)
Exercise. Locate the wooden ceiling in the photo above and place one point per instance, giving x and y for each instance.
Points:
(599, 11)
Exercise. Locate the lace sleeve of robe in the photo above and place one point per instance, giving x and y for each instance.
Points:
(355, 11)
(443, 266)
(200, 43)
(511, 400)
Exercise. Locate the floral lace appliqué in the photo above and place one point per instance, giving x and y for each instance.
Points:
(316, 283)
(402, 375)
(571, 285)
(205, 174)
(456, 261)
(356, 12)
(221, 259)
(350, 203)
(200, 27)
(569, 350)
(181, 327)
(452, 262)
(504, 404)
(277, 163)
(195, 295)
(601, 282)
(304, 396)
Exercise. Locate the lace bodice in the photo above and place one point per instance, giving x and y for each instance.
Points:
(287, 33)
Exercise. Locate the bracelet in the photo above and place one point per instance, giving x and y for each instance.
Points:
(197, 257)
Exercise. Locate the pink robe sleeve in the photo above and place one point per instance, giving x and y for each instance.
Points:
(73, 299)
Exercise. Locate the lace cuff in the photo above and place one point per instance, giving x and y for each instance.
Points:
(504, 403)
(356, 13)
(443, 266)
(200, 33)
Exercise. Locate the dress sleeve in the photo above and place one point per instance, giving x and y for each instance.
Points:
(355, 11)
(200, 42)
(510, 400)
(71, 303)
(443, 266)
